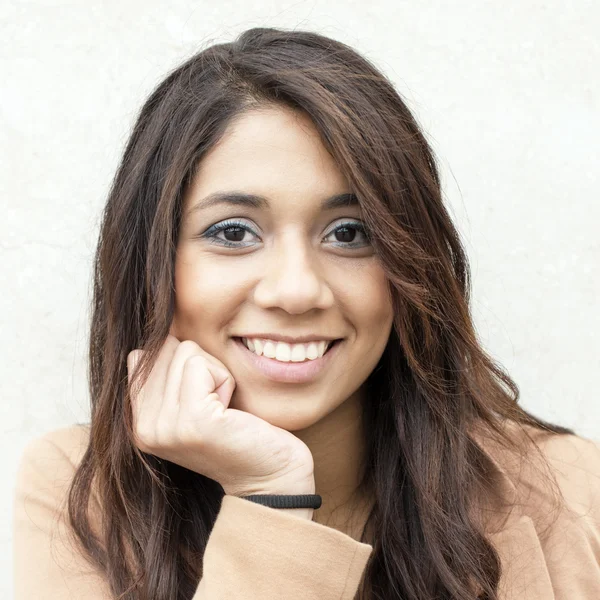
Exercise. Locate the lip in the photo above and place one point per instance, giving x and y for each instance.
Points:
(275, 337)
(288, 372)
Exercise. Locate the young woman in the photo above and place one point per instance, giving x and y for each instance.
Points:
(288, 397)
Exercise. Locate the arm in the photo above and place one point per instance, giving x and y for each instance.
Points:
(258, 552)
(253, 551)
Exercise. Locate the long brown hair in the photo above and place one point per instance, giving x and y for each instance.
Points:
(433, 382)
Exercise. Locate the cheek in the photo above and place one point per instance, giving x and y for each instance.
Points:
(374, 300)
(203, 291)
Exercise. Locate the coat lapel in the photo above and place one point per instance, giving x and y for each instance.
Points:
(524, 572)
(513, 534)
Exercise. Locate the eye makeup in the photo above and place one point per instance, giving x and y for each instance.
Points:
(233, 224)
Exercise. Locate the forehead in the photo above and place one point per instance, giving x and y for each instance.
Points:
(270, 151)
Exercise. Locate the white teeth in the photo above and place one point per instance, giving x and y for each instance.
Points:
(287, 352)
(283, 352)
(269, 349)
(312, 351)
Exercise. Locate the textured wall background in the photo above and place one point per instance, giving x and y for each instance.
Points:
(509, 96)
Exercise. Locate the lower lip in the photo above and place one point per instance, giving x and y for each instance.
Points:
(289, 372)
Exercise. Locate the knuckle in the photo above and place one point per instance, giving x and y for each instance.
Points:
(194, 361)
(133, 359)
(187, 346)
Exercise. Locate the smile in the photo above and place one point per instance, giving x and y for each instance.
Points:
(288, 372)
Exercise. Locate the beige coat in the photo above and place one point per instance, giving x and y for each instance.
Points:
(255, 552)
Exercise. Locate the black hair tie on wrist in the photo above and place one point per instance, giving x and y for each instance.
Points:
(286, 501)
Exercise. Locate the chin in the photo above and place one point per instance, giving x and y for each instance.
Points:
(288, 414)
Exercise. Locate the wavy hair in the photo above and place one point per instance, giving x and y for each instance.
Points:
(434, 381)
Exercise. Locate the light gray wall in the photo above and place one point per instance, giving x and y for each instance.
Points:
(507, 91)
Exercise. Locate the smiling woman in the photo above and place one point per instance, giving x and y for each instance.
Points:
(289, 269)
(281, 317)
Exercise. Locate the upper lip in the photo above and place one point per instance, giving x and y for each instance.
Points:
(288, 338)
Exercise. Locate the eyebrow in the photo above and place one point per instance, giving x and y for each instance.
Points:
(254, 201)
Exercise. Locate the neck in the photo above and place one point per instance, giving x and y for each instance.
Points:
(337, 443)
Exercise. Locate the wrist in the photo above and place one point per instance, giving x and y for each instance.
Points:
(282, 485)
(291, 488)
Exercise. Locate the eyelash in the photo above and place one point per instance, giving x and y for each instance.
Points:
(212, 232)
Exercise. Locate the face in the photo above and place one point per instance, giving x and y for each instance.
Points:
(284, 265)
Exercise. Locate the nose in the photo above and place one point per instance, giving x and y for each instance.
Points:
(293, 280)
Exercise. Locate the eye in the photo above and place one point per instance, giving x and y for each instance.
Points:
(234, 231)
(347, 231)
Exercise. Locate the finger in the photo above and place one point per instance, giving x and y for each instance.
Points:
(184, 351)
(154, 386)
(223, 380)
(197, 388)
(133, 359)
(224, 383)
(146, 402)
(158, 375)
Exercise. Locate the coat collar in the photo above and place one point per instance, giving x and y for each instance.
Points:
(511, 530)
(524, 572)
(511, 518)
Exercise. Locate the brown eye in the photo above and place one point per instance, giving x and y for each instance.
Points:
(237, 233)
(346, 234)
(233, 234)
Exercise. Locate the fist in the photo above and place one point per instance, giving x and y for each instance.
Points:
(181, 414)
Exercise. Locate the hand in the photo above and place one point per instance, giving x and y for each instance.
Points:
(181, 414)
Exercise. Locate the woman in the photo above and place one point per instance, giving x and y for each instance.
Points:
(281, 308)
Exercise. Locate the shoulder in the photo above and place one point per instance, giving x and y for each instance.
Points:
(543, 516)
(550, 476)
(47, 464)
(574, 462)
(64, 447)
(48, 556)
